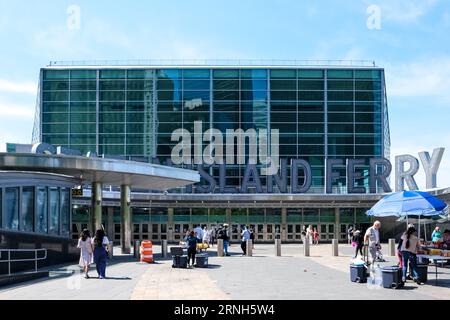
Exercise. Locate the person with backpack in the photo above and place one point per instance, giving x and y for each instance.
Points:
(222, 233)
(358, 239)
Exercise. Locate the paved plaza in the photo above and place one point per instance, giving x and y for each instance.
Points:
(260, 277)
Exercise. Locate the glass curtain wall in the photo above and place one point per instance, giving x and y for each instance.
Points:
(131, 113)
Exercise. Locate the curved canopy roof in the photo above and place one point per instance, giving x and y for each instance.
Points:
(107, 171)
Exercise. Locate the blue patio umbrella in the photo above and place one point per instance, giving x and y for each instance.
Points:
(413, 204)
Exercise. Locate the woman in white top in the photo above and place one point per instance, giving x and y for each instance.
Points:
(86, 251)
(310, 234)
(206, 236)
(410, 243)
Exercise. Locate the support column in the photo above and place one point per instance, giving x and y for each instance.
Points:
(337, 224)
(228, 217)
(283, 224)
(170, 225)
(125, 212)
(96, 206)
(110, 223)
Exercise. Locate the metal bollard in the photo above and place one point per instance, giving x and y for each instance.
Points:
(249, 245)
(391, 247)
(136, 249)
(220, 247)
(306, 246)
(334, 246)
(164, 248)
(278, 247)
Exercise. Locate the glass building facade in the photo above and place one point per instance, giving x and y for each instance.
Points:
(131, 113)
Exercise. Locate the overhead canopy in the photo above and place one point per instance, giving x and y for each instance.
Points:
(106, 171)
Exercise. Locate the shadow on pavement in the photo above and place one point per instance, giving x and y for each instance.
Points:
(212, 266)
(117, 278)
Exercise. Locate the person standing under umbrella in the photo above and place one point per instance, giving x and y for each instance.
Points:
(410, 244)
(436, 236)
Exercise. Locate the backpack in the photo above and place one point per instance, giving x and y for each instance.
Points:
(220, 234)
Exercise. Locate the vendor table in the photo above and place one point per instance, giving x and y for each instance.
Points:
(434, 257)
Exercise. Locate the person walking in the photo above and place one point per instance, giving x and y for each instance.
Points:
(316, 236)
(350, 234)
(100, 243)
(372, 238)
(410, 244)
(199, 233)
(310, 234)
(303, 234)
(358, 239)
(222, 233)
(245, 236)
(206, 236)
(86, 251)
(191, 242)
(213, 236)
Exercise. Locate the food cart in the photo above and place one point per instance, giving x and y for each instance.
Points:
(437, 252)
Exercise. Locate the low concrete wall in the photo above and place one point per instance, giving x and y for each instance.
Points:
(59, 250)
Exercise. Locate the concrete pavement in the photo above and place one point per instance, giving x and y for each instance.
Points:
(261, 277)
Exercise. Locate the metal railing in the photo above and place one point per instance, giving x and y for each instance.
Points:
(215, 62)
(35, 259)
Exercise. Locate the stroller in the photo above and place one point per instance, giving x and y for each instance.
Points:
(378, 255)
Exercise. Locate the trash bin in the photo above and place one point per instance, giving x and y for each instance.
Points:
(422, 270)
(392, 277)
(179, 258)
(358, 273)
(201, 260)
(176, 251)
(179, 261)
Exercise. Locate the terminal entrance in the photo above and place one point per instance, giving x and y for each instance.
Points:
(153, 223)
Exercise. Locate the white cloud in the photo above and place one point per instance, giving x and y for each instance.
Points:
(424, 78)
(13, 110)
(403, 11)
(29, 87)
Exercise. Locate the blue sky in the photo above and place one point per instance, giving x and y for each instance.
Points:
(412, 45)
